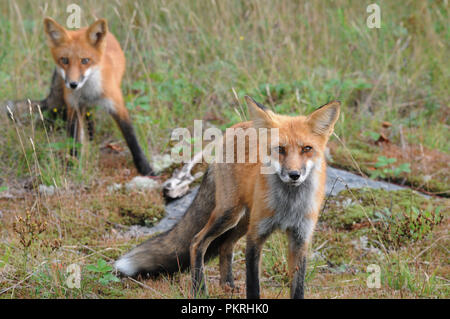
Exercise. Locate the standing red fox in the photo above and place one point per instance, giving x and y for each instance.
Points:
(236, 199)
(91, 64)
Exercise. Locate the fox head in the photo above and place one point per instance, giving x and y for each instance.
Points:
(76, 53)
(301, 141)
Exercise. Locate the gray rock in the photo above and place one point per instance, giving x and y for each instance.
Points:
(337, 180)
(175, 210)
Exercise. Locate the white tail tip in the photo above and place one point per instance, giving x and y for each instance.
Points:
(125, 266)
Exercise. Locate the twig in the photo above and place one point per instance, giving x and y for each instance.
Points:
(145, 286)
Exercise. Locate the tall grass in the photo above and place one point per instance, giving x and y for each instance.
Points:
(184, 59)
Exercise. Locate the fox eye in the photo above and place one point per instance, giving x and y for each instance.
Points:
(281, 150)
(64, 60)
(306, 149)
(85, 61)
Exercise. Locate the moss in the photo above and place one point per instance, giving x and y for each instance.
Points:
(355, 206)
(366, 155)
(136, 215)
(136, 210)
(392, 218)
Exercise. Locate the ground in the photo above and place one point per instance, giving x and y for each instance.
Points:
(193, 61)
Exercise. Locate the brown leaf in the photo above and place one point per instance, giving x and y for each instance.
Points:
(382, 139)
(114, 147)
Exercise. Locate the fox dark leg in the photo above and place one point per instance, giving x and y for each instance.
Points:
(226, 252)
(297, 264)
(218, 224)
(122, 118)
(75, 127)
(90, 126)
(252, 263)
(255, 242)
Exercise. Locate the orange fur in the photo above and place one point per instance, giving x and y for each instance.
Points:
(244, 196)
(91, 64)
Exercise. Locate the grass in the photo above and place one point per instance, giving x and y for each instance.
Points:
(196, 60)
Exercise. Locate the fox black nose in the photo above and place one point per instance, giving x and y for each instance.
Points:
(294, 175)
(73, 85)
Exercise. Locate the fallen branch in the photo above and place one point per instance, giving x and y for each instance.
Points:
(178, 184)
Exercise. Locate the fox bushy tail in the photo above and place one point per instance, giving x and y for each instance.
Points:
(168, 252)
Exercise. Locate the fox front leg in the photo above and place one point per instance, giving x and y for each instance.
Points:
(298, 248)
(255, 242)
(120, 115)
(75, 128)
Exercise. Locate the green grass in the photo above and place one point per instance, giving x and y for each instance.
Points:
(185, 60)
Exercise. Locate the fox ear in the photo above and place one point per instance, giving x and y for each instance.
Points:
(56, 34)
(323, 119)
(259, 114)
(96, 32)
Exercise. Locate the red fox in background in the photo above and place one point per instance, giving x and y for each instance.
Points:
(89, 68)
(235, 199)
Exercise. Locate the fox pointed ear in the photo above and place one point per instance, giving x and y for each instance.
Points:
(323, 119)
(56, 34)
(96, 33)
(259, 114)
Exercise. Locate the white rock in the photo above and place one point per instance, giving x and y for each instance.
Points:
(114, 187)
(47, 190)
(142, 183)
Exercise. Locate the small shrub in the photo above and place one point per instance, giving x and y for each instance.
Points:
(103, 271)
(397, 229)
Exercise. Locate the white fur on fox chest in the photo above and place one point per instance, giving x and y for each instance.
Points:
(292, 206)
(90, 92)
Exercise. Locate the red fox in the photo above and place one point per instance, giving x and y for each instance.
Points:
(89, 68)
(235, 199)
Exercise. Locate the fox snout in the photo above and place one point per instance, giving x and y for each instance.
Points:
(74, 81)
(296, 176)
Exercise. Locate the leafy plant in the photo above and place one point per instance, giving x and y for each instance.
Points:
(397, 229)
(384, 168)
(104, 272)
(373, 135)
